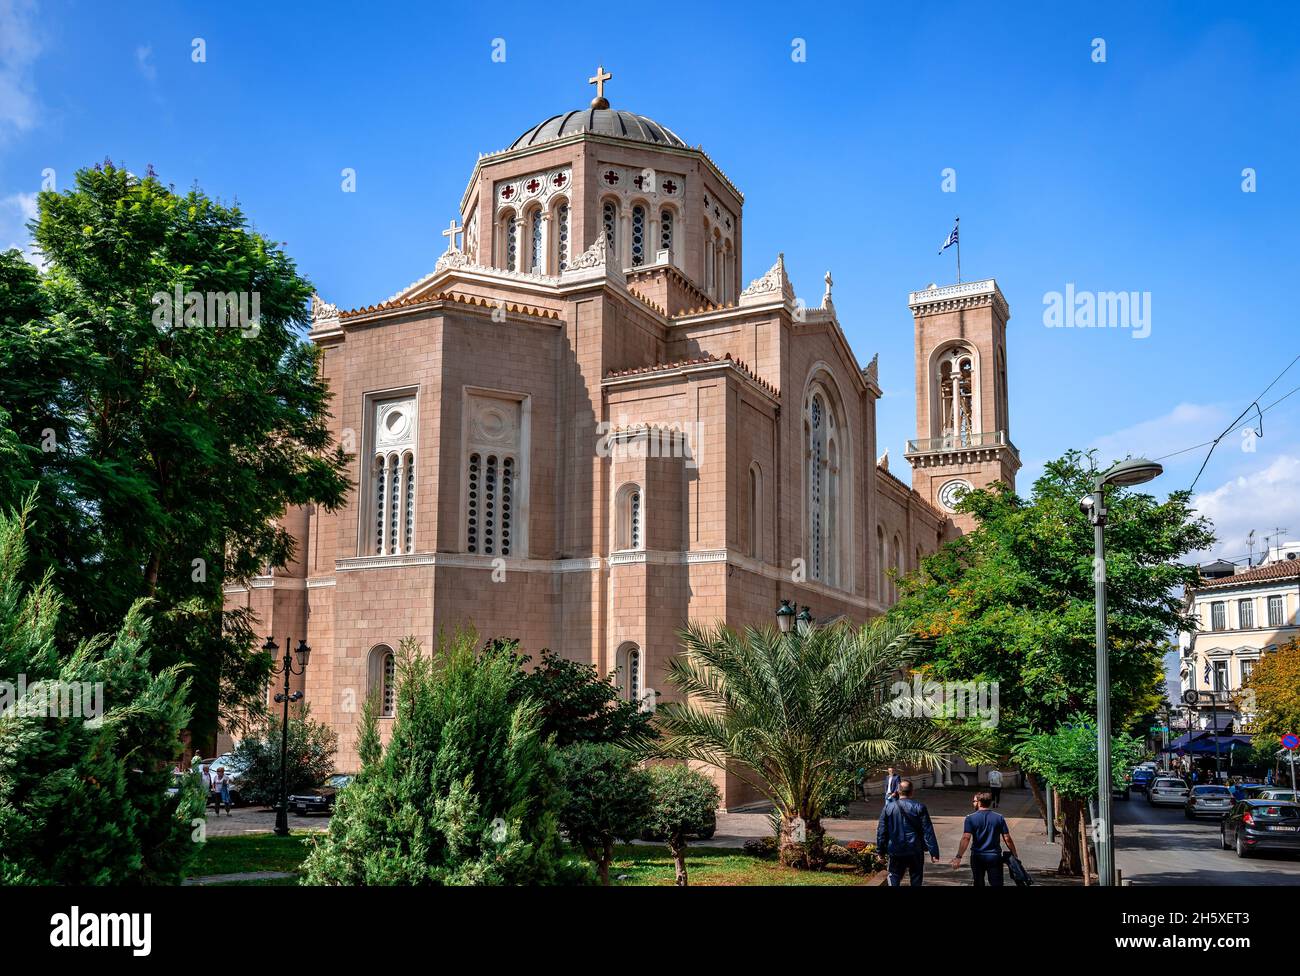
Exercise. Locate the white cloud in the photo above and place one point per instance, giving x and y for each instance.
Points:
(144, 61)
(15, 211)
(1185, 425)
(1262, 500)
(19, 47)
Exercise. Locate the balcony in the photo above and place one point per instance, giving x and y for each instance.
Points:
(961, 442)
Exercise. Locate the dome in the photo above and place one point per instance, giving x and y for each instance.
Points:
(601, 121)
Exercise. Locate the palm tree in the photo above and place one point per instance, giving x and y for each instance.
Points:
(789, 713)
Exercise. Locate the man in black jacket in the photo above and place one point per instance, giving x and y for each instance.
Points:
(905, 833)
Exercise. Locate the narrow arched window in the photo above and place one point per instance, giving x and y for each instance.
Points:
(408, 503)
(666, 232)
(629, 530)
(638, 235)
(755, 511)
(610, 215)
(560, 225)
(880, 564)
(381, 497)
(512, 243)
(536, 261)
(383, 680)
(630, 667)
(898, 566)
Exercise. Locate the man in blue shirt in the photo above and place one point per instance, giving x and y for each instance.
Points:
(983, 833)
(905, 833)
(891, 785)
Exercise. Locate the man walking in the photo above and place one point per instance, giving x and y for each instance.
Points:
(904, 834)
(891, 784)
(983, 833)
(995, 785)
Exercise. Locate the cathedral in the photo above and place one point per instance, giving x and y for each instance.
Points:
(583, 429)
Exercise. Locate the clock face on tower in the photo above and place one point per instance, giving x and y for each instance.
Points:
(951, 491)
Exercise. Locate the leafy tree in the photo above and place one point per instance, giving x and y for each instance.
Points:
(684, 801)
(1012, 602)
(466, 791)
(162, 447)
(85, 744)
(1275, 686)
(311, 747)
(788, 713)
(577, 704)
(1067, 758)
(607, 799)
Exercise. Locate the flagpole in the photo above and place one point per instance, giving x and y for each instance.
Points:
(959, 252)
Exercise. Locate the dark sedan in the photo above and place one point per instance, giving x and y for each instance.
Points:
(1207, 801)
(1259, 825)
(321, 799)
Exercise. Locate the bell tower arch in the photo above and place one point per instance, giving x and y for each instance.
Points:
(963, 426)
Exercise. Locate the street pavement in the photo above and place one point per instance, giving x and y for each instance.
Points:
(1159, 846)
(257, 820)
(948, 809)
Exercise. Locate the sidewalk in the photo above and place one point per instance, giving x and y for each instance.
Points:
(257, 820)
(948, 809)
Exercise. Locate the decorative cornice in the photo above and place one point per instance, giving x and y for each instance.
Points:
(774, 283)
(950, 298)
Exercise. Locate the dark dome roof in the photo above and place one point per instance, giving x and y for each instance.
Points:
(601, 121)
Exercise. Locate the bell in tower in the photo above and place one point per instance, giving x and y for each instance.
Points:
(963, 435)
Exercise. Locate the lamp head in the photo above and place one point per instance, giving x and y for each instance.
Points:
(785, 617)
(1133, 471)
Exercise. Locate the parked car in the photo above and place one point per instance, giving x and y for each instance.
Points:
(1274, 793)
(1167, 792)
(320, 799)
(1257, 825)
(1143, 776)
(1206, 801)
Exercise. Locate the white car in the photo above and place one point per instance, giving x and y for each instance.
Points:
(1167, 792)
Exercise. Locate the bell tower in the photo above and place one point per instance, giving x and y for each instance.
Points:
(963, 428)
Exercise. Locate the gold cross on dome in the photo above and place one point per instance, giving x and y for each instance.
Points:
(599, 80)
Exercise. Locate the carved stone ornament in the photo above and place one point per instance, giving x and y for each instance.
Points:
(322, 312)
(595, 256)
(776, 281)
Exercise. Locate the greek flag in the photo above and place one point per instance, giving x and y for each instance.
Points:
(952, 238)
(1207, 672)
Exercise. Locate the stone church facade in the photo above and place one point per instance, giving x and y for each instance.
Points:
(584, 429)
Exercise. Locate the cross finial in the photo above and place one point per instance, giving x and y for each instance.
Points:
(450, 233)
(601, 76)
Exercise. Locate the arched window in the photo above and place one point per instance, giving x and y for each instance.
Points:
(408, 503)
(880, 564)
(630, 518)
(507, 241)
(638, 235)
(560, 232)
(536, 255)
(824, 460)
(755, 511)
(391, 494)
(631, 673)
(496, 476)
(956, 397)
(609, 213)
(666, 232)
(383, 679)
(899, 568)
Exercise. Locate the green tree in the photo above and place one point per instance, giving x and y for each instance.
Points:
(1012, 601)
(788, 713)
(466, 791)
(163, 447)
(607, 800)
(1274, 687)
(1067, 758)
(311, 747)
(85, 745)
(684, 801)
(578, 705)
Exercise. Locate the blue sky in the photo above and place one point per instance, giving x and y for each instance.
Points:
(1124, 175)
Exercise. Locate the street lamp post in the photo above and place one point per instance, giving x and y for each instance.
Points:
(286, 668)
(1136, 471)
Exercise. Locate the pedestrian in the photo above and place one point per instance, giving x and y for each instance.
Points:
(221, 785)
(904, 834)
(983, 832)
(1196, 777)
(195, 761)
(891, 784)
(995, 785)
(205, 773)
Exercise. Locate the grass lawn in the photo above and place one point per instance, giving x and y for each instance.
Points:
(642, 864)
